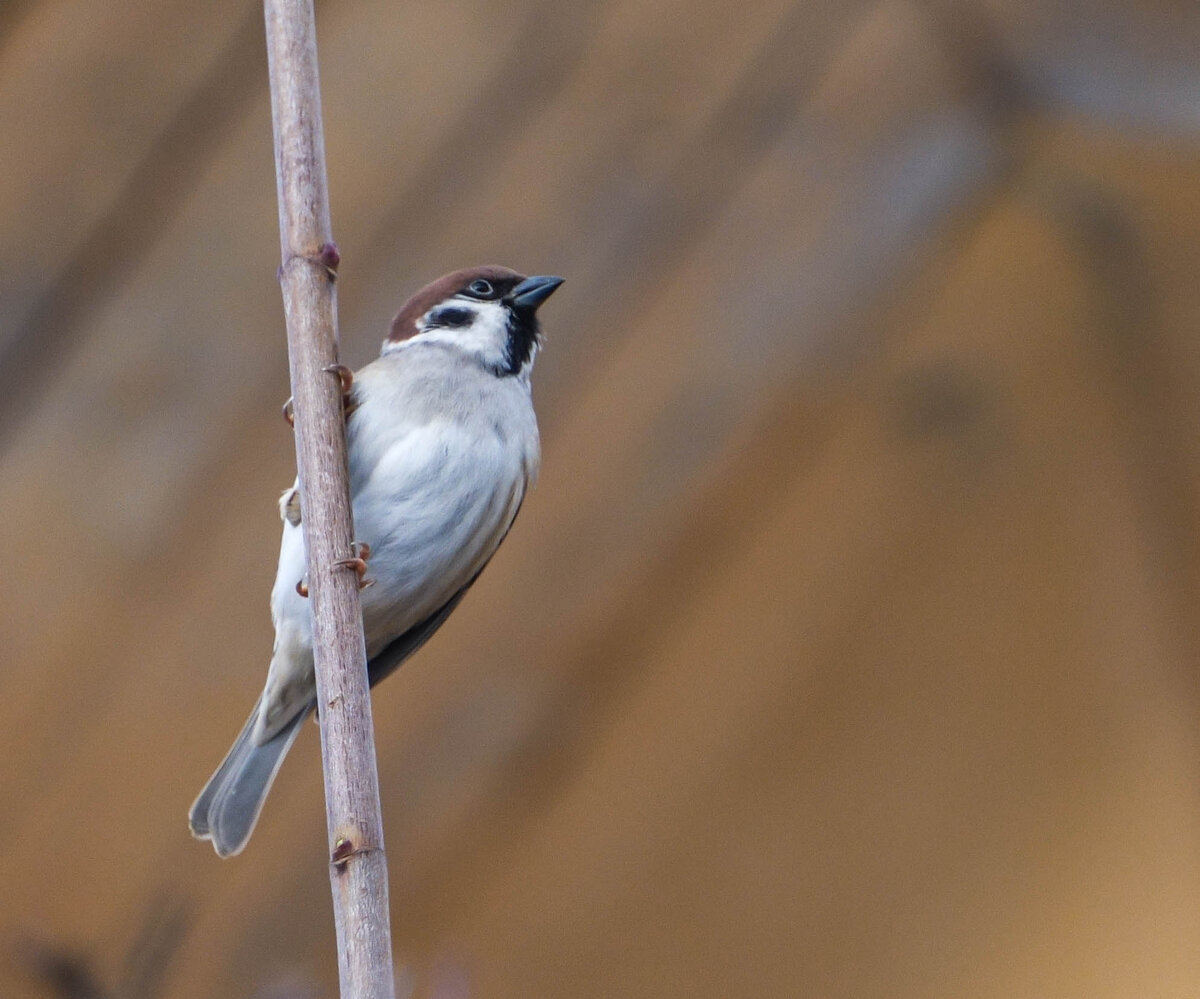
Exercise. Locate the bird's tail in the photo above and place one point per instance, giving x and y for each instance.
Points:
(231, 801)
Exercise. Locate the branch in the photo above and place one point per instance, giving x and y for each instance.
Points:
(358, 865)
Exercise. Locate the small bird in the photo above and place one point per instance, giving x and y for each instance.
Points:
(442, 445)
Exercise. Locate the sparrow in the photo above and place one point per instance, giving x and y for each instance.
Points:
(442, 445)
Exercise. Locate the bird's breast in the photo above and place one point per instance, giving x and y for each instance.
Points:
(434, 491)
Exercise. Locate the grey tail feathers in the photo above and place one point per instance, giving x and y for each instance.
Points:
(231, 801)
(229, 805)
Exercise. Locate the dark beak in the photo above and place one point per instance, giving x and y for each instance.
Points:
(533, 291)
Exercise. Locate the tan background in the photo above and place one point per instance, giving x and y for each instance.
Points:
(848, 646)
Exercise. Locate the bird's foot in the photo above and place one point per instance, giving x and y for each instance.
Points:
(344, 375)
(289, 506)
(345, 378)
(358, 562)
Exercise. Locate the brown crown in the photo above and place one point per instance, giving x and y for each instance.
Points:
(405, 323)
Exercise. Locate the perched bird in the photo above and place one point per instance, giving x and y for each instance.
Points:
(442, 445)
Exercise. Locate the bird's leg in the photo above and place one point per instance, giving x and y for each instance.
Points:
(289, 412)
(358, 562)
(302, 586)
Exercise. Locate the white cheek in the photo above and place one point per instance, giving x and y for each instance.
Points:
(486, 337)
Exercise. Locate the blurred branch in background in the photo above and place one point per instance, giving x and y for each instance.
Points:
(123, 235)
(1136, 356)
(11, 13)
(64, 972)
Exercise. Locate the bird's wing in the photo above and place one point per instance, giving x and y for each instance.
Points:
(379, 508)
(395, 652)
(388, 660)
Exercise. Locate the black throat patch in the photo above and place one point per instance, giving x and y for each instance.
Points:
(524, 333)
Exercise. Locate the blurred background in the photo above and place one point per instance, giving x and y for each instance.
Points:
(848, 645)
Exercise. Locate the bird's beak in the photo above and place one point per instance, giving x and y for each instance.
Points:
(533, 291)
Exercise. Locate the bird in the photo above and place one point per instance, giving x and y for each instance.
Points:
(442, 446)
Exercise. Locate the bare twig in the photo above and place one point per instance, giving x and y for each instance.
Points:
(358, 866)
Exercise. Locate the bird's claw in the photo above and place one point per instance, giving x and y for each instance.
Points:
(358, 562)
(344, 375)
(345, 379)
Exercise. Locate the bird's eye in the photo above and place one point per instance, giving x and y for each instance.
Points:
(481, 288)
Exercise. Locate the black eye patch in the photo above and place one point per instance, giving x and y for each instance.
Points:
(451, 317)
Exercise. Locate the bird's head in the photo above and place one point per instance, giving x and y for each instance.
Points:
(489, 313)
